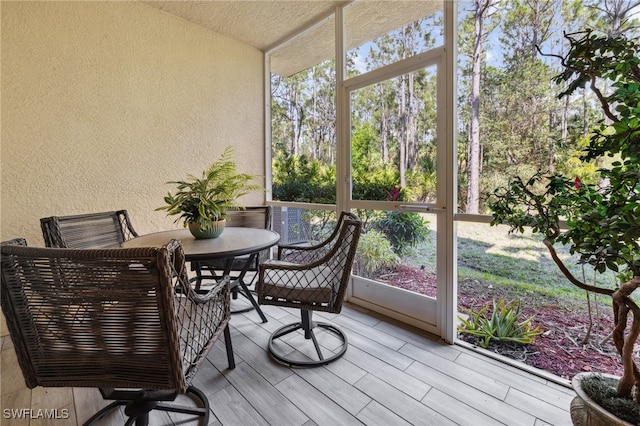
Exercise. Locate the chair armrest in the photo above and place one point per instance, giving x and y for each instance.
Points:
(302, 254)
(291, 266)
(275, 263)
(303, 245)
(200, 298)
(200, 318)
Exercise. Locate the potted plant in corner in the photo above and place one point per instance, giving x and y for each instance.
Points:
(202, 202)
(603, 218)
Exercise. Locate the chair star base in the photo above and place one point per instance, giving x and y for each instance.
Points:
(138, 409)
(307, 326)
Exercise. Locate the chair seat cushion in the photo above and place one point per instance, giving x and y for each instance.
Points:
(305, 286)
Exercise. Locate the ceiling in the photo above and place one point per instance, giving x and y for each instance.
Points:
(262, 24)
(265, 24)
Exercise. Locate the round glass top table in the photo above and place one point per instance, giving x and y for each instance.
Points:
(234, 242)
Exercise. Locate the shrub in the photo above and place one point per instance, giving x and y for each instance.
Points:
(301, 179)
(403, 229)
(374, 253)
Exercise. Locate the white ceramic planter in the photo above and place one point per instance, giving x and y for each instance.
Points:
(586, 412)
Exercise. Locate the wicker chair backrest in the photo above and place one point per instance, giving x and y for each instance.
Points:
(109, 318)
(88, 231)
(258, 217)
(250, 217)
(313, 277)
(14, 242)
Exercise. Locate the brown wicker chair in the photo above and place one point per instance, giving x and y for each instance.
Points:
(125, 321)
(88, 231)
(310, 278)
(14, 242)
(250, 217)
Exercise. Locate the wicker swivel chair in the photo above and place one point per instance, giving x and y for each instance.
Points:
(88, 231)
(310, 278)
(125, 321)
(250, 217)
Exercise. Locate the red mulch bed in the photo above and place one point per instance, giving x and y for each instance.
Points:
(558, 350)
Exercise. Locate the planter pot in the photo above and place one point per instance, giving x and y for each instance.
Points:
(586, 412)
(200, 234)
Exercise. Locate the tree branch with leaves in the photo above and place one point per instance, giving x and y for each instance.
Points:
(602, 219)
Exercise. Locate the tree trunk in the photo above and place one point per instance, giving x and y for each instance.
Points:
(551, 164)
(412, 124)
(625, 342)
(473, 163)
(384, 126)
(316, 131)
(402, 142)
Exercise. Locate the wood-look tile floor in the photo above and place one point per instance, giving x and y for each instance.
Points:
(390, 375)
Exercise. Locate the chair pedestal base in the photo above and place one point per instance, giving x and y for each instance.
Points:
(307, 326)
(138, 409)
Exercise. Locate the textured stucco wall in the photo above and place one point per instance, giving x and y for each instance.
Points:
(103, 102)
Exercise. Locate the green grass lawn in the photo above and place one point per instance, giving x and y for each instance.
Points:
(518, 261)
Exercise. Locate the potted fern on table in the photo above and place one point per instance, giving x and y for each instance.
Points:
(202, 202)
(603, 218)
